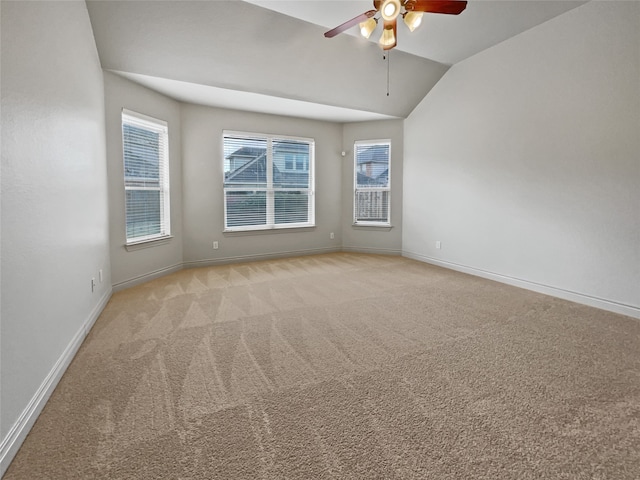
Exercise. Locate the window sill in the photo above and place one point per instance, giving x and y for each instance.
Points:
(153, 242)
(267, 231)
(373, 226)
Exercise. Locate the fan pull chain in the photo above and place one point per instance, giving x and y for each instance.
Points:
(388, 62)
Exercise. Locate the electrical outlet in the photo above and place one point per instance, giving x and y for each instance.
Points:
(438, 244)
(93, 284)
(332, 236)
(215, 245)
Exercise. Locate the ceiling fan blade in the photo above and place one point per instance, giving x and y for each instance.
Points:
(349, 23)
(393, 24)
(451, 7)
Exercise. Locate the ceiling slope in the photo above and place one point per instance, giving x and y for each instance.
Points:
(183, 46)
(448, 39)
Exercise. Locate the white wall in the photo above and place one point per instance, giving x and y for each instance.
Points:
(373, 239)
(203, 213)
(523, 161)
(54, 203)
(129, 267)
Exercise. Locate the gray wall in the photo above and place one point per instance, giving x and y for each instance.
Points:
(203, 213)
(373, 239)
(155, 259)
(523, 160)
(54, 203)
(197, 208)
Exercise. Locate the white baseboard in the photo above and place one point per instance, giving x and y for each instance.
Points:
(13, 440)
(592, 301)
(376, 251)
(132, 282)
(259, 257)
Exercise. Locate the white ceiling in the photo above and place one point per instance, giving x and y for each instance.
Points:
(271, 56)
(248, 101)
(447, 39)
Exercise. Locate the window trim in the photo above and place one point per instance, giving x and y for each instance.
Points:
(366, 223)
(133, 246)
(270, 191)
(161, 126)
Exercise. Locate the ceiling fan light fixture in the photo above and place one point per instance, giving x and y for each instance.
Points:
(412, 20)
(388, 38)
(390, 9)
(367, 27)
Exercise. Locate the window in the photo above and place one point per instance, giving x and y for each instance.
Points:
(294, 161)
(268, 181)
(288, 161)
(146, 177)
(371, 182)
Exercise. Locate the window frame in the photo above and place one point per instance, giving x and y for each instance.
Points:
(161, 127)
(356, 189)
(270, 224)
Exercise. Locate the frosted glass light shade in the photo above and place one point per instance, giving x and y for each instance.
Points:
(388, 38)
(390, 9)
(413, 20)
(367, 27)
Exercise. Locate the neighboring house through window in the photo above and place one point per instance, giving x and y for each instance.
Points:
(268, 181)
(371, 182)
(296, 161)
(146, 177)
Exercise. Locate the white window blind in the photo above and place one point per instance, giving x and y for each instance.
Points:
(146, 177)
(268, 181)
(372, 182)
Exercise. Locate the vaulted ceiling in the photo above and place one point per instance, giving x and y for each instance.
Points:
(271, 56)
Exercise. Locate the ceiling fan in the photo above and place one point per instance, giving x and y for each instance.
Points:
(411, 11)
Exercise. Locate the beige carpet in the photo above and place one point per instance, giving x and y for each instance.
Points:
(343, 366)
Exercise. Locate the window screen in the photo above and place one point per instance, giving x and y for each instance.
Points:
(146, 177)
(371, 182)
(268, 181)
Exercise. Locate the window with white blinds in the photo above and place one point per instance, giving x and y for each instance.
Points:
(268, 181)
(371, 182)
(146, 177)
